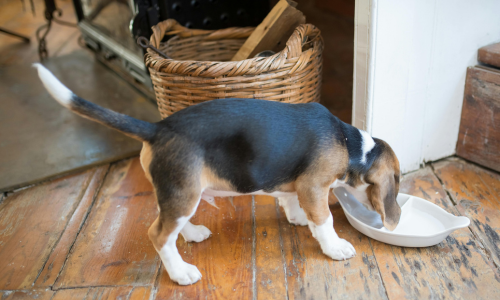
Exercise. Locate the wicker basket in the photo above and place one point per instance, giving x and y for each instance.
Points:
(200, 69)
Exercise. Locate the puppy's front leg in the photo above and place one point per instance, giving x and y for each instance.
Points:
(331, 244)
(314, 201)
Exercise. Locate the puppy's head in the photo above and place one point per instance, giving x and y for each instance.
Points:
(383, 185)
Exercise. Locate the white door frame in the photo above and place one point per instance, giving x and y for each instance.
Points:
(410, 62)
(365, 27)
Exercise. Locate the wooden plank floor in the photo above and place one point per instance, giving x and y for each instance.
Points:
(84, 236)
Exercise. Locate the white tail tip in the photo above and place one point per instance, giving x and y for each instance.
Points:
(55, 88)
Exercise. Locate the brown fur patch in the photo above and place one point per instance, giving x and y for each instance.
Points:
(209, 179)
(158, 234)
(313, 186)
(146, 157)
(288, 187)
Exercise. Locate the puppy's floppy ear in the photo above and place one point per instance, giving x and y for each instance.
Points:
(382, 194)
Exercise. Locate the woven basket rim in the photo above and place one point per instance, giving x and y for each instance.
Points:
(292, 55)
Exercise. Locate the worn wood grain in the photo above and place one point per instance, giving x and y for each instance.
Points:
(140, 293)
(113, 247)
(75, 294)
(31, 222)
(479, 134)
(273, 32)
(270, 278)
(224, 259)
(312, 275)
(456, 268)
(104, 293)
(27, 295)
(54, 264)
(476, 192)
(489, 55)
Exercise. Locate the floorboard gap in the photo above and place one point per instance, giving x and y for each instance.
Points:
(378, 268)
(97, 286)
(82, 194)
(84, 220)
(278, 215)
(156, 284)
(443, 186)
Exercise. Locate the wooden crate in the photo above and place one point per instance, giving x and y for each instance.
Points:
(479, 135)
(490, 55)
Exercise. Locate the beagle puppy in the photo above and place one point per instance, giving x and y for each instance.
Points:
(230, 147)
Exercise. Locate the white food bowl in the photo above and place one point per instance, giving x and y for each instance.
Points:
(422, 223)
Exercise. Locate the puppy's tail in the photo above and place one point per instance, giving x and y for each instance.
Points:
(135, 128)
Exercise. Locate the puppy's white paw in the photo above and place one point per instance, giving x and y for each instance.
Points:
(299, 218)
(294, 213)
(185, 274)
(341, 250)
(195, 233)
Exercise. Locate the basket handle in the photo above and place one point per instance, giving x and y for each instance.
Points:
(301, 36)
(171, 27)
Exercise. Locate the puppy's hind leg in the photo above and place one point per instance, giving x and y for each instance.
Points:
(314, 201)
(294, 213)
(195, 233)
(174, 215)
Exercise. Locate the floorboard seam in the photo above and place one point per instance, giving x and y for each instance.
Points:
(92, 287)
(35, 289)
(254, 242)
(84, 220)
(378, 268)
(130, 293)
(443, 186)
(156, 284)
(53, 295)
(281, 245)
(487, 252)
(82, 193)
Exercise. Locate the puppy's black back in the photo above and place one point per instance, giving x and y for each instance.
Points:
(254, 144)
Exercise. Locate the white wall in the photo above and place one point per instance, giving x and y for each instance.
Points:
(410, 63)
